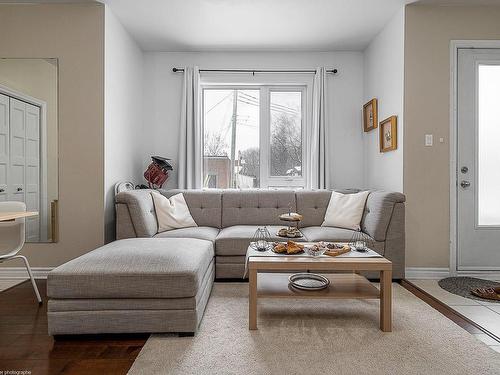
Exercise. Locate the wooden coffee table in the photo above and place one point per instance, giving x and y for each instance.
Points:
(268, 278)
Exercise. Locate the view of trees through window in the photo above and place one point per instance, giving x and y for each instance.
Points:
(232, 154)
(286, 134)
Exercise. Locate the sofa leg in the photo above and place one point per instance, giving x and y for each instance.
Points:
(186, 334)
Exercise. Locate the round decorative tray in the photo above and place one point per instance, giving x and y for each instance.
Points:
(298, 235)
(308, 281)
(291, 216)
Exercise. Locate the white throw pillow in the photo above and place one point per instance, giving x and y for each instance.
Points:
(172, 213)
(345, 210)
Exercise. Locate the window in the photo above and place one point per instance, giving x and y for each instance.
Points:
(253, 137)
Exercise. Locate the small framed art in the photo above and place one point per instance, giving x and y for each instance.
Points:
(389, 134)
(370, 115)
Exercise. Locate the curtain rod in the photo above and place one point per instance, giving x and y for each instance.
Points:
(253, 71)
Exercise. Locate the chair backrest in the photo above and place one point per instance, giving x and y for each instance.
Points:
(12, 233)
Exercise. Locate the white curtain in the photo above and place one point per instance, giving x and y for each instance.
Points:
(319, 167)
(190, 140)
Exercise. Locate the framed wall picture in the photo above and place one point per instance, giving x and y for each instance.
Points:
(370, 115)
(389, 134)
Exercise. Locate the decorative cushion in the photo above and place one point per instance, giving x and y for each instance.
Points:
(345, 210)
(172, 213)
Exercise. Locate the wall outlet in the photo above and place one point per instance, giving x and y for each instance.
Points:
(429, 140)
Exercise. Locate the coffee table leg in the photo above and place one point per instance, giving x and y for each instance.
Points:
(252, 299)
(386, 300)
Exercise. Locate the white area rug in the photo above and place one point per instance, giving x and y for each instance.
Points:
(317, 337)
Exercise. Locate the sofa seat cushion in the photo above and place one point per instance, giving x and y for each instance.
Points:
(314, 234)
(234, 240)
(201, 233)
(135, 268)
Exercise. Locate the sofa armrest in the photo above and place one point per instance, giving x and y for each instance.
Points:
(141, 214)
(378, 213)
(394, 248)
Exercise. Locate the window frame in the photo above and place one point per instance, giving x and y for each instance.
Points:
(266, 180)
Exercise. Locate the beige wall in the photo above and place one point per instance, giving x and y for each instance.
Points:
(74, 34)
(38, 78)
(429, 30)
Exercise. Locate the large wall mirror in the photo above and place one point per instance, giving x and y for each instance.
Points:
(28, 142)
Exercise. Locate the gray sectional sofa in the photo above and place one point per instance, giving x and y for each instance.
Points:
(161, 282)
(229, 218)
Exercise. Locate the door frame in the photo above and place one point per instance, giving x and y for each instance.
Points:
(43, 153)
(455, 45)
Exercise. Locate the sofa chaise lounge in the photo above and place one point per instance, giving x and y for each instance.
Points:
(161, 282)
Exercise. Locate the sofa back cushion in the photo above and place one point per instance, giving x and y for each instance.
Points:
(312, 206)
(204, 205)
(256, 207)
(378, 212)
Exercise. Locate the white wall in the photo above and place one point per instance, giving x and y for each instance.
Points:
(163, 89)
(123, 113)
(383, 79)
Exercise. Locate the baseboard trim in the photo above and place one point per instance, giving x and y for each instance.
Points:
(20, 273)
(420, 273)
(487, 275)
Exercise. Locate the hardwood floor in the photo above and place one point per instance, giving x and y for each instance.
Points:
(25, 344)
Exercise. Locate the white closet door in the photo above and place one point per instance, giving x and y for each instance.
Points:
(4, 146)
(17, 150)
(32, 165)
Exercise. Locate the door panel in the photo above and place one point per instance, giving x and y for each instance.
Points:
(4, 146)
(32, 176)
(17, 150)
(478, 157)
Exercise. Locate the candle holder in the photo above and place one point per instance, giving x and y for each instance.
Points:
(261, 240)
(361, 242)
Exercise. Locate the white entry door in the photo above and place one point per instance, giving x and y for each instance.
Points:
(478, 160)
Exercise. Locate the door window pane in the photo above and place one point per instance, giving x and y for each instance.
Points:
(286, 134)
(231, 138)
(488, 154)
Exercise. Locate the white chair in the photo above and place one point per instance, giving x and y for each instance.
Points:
(12, 237)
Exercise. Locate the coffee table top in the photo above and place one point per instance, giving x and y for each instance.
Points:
(272, 261)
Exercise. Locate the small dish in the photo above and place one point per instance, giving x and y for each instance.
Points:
(314, 250)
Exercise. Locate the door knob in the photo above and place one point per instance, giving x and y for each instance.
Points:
(465, 184)
(19, 189)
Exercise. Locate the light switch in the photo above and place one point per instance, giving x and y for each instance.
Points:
(441, 140)
(429, 140)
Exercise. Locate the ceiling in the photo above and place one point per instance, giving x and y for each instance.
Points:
(254, 25)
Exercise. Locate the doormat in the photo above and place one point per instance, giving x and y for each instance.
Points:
(462, 286)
